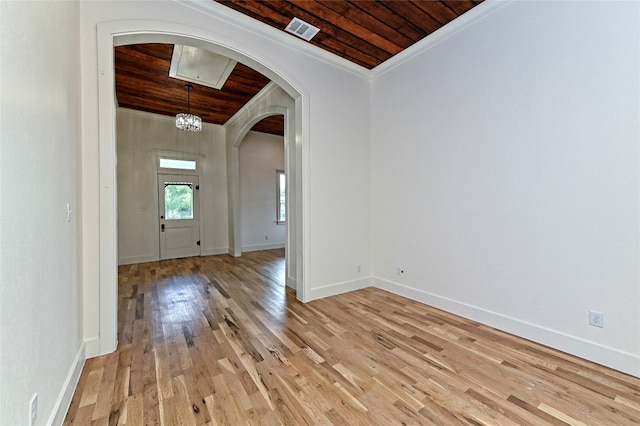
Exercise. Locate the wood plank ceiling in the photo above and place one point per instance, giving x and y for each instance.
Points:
(143, 83)
(365, 32)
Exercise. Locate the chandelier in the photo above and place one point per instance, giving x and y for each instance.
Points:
(186, 120)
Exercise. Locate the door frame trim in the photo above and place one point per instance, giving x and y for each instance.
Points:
(157, 170)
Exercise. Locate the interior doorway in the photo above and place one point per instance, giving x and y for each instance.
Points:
(262, 198)
(120, 33)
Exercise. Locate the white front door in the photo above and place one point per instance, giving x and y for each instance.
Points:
(179, 216)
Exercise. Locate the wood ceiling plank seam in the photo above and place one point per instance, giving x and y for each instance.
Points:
(230, 95)
(153, 71)
(233, 89)
(151, 94)
(141, 65)
(235, 86)
(161, 51)
(244, 86)
(146, 92)
(244, 75)
(461, 6)
(354, 12)
(125, 57)
(245, 82)
(273, 124)
(246, 70)
(261, 11)
(380, 11)
(438, 11)
(415, 15)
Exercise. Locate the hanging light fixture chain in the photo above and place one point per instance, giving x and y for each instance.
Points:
(189, 88)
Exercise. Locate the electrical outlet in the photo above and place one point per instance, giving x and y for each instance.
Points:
(399, 270)
(33, 409)
(359, 268)
(596, 319)
(266, 237)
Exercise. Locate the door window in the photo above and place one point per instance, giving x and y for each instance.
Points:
(178, 200)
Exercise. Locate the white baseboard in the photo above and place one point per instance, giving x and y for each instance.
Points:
(63, 402)
(214, 251)
(137, 259)
(610, 357)
(291, 282)
(338, 288)
(259, 247)
(92, 347)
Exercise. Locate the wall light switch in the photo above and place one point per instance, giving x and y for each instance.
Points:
(69, 211)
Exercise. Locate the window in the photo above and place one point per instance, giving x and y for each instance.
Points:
(281, 197)
(178, 201)
(170, 163)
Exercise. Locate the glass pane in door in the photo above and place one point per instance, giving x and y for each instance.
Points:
(178, 201)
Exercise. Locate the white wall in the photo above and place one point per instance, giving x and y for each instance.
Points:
(260, 155)
(505, 175)
(41, 330)
(141, 136)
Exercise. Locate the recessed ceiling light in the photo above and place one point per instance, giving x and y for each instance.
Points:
(302, 29)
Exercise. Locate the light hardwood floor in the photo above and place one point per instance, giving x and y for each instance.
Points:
(218, 340)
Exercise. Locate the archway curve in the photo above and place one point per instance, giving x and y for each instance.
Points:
(119, 33)
(261, 115)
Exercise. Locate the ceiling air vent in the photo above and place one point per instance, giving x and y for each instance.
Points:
(302, 29)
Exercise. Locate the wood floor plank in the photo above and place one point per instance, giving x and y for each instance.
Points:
(219, 340)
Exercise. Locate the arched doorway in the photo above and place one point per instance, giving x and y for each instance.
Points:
(130, 32)
(263, 188)
(272, 100)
